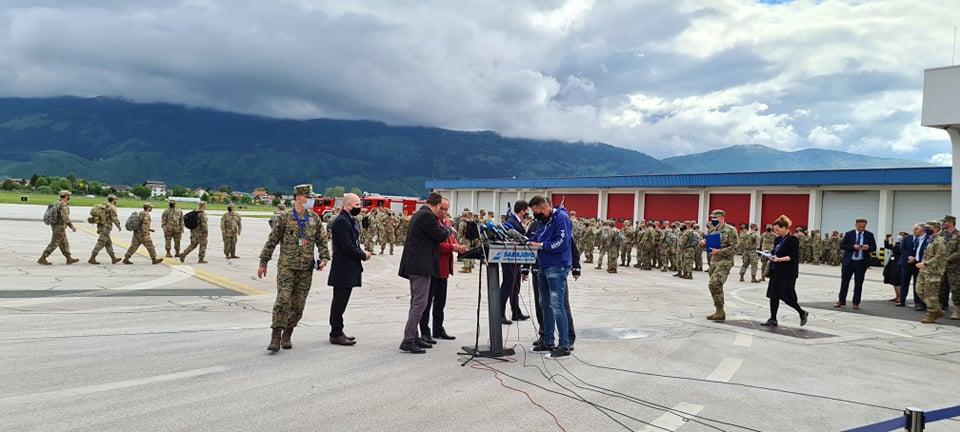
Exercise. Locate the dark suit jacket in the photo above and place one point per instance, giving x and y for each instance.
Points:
(790, 247)
(922, 247)
(421, 250)
(907, 249)
(850, 239)
(346, 267)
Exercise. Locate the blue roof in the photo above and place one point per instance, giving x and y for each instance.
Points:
(843, 177)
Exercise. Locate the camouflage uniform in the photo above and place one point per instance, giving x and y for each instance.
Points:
(366, 233)
(141, 237)
(629, 237)
(59, 237)
(816, 247)
(834, 249)
(720, 265)
(645, 248)
(230, 228)
(804, 240)
(668, 250)
(613, 246)
(171, 221)
(951, 273)
(590, 233)
(934, 260)
(698, 255)
(198, 237)
(687, 243)
(103, 235)
(603, 244)
(295, 264)
(767, 240)
(388, 232)
(404, 227)
(749, 242)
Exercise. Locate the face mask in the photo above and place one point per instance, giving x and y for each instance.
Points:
(540, 217)
(714, 222)
(355, 211)
(171, 205)
(683, 228)
(769, 229)
(929, 231)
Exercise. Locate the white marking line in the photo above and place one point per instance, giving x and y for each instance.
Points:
(97, 388)
(898, 334)
(743, 340)
(736, 295)
(671, 421)
(726, 369)
(168, 279)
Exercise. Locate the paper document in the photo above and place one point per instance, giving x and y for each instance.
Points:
(765, 254)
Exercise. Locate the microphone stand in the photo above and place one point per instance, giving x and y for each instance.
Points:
(475, 351)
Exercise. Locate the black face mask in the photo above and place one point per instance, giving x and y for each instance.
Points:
(541, 217)
(355, 211)
(929, 231)
(683, 227)
(769, 229)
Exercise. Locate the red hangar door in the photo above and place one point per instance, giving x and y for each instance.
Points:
(671, 207)
(620, 207)
(737, 207)
(584, 204)
(794, 206)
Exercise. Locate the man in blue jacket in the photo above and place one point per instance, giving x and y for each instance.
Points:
(857, 245)
(555, 258)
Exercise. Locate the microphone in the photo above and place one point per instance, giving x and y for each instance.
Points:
(516, 236)
(498, 233)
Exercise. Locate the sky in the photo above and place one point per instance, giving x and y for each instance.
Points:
(665, 77)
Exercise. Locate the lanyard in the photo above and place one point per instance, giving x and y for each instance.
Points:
(301, 223)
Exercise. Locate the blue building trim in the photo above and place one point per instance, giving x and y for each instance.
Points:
(847, 177)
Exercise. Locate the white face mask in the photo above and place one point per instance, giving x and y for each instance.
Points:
(309, 203)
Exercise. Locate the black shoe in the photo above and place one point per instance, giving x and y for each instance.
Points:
(899, 305)
(428, 339)
(770, 323)
(411, 348)
(560, 352)
(543, 348)
(919, 308)
(422, 344)
(505, 321)
(803, 318)
(443, 335)
(520, 317)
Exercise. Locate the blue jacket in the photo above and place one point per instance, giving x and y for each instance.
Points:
(556, 236)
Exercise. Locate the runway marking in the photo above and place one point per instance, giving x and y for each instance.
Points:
(726, 369)
(98, 388)
(743, 340)
(170, 278)
(671, 421)
(736, 295)
(900, 334)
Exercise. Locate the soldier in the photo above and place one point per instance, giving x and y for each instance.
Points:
(59, 237)
(589, 240)
(646, 246)
(767, 240)
(835, 252)
(687, 244)
(721, 261)
(404, 228)
(749, 243)
(104, 225)
(613, 246)
(171, 221)
(198, 236)
(626, 250)
(698, 255)
(951, 274)
(365, 222)
(230, 228)
(298, 233)
(804, 241)
(816, 247)
(931, 262)
(467, 221)
(603, 240)
(141, 236)
(668, 251)
(388, 232)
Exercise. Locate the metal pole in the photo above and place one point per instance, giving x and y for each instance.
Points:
(914, 420)
(493, 309)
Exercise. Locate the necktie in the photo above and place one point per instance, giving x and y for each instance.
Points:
(859, 242)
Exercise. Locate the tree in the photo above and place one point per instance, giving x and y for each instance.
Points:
(179, 191)
(9, 185)
(33, 180)
(40, 182)
(356, 191)
(205, 197)
(335, 191)
(72, 178)
(43, 190)
(246, 199)
(276, 200)
(65, 184)
(225, 189)
(141, 191)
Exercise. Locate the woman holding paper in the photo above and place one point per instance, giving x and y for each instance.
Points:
(784, 268)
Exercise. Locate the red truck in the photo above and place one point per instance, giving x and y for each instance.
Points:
(398, 204)
(323, 206)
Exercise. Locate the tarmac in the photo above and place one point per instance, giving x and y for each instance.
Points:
(181, 347)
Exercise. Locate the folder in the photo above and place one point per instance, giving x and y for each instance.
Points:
(713, 241)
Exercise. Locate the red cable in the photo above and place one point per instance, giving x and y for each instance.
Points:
(496, 374)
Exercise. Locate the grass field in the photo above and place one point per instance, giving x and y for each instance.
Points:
(82, 201)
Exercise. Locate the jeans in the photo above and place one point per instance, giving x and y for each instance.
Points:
(341, 296)
(539, 308)
(436, 301)
(554, 317)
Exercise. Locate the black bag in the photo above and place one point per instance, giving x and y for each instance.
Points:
(365, 222)
(191, 220)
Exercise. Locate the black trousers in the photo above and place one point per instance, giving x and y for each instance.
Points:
(510, 289)
(436, 301)
(539, 312)
(857, 269)
(908, 272)
(341, 296)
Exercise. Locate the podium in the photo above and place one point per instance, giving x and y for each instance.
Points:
(494, 254)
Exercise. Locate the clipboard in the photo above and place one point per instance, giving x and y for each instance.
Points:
(713, 241)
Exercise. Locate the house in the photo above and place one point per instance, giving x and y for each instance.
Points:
(265, 199)
(198, 192)
(157, 188)
(219, 197)
(120, 188)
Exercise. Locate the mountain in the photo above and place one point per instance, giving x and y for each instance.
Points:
(746, 158)
(118, 141)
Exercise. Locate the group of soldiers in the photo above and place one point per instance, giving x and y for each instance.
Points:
(105, 218)
(381, 226)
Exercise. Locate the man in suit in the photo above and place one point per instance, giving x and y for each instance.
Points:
(346, 267)
(857, 245)
(510, 285)
(908, 269)
(420, 262)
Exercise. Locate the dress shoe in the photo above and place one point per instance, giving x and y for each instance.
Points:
(342, 340)
(520, 317)
(274, 340)
(423, 344)
(803, 318)
(411, 348)
(350, 337)
(770, 323)
(443, 335)
(426, 338)
(505, 321)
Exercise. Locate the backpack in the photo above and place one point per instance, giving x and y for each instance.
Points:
(618, 239)
(191, 220)
(133, 222)
(98, 214)
(52, 215)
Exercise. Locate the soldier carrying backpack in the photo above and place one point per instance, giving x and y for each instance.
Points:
(58, 217)
(139, 223)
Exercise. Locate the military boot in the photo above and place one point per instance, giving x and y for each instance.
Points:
(156, 261)
(126, 260)
(182, 257)
(274, 340)
(115, 259)
(43, 260)
(719, 315)
(741, 278)
(72, 260)
(168, 254)
(285, 338)
(93, 260)
(753, 279)
(931, 318)
(956, 314)
(201, 261)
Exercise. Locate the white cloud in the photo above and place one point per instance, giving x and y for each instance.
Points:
(942, 159)
(661, 76)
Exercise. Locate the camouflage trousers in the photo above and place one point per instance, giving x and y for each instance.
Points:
(171, 236)
(613, 253)
(197, 238)
(928, 287)
(817, 256)
(953, 279)
(386, 241)
(58, 240)
(749, 260)
(601, 252)
(667, 259)
(368, 243)
(141, 239)
(765, 267)
(686, 262)
(229, 244)
(649, 258)
(293, 287)
(719, 270)
(103, 242)
(626, 254)
(588, 252)
(698, 259)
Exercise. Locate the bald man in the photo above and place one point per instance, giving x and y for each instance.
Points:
(346, 267)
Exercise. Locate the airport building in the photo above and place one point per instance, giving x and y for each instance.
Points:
(891, 199)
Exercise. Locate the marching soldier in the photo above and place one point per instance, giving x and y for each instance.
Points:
(931, 261)
(141, 236)
(749, 243)
(59, 237)
(298, 233)
(721, 261)
(198, 236)
(171, 221)
(104, 225)
(230, 227)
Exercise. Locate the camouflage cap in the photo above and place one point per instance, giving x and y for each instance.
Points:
(111, 196)
(64, 193)
(466, 210)
(203, 203)
(231, 205)
(304, 189)
(933, 224)
(147, 205)
(171, 200)
(281, 206)
(951, 219)
(718, 213)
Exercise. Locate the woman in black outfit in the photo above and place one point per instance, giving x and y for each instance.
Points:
(891, 270)
(784, 268)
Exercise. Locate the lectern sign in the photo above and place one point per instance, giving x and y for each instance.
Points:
(512, 254)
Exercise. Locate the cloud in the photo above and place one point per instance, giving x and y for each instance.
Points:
(660, 76)
(942, 159)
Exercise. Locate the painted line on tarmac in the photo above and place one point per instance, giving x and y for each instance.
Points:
(726, 369)
(736, 295)
(99, 388)
(170, 278)
(671, 421)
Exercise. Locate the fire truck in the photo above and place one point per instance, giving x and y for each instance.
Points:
(398, 204)
(323, 207)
